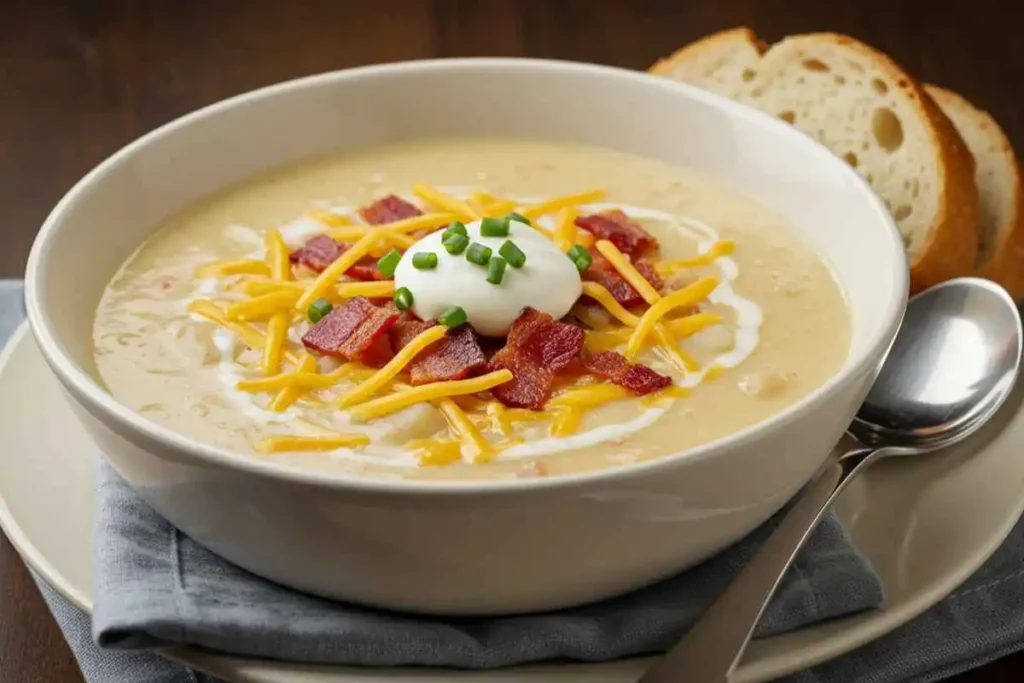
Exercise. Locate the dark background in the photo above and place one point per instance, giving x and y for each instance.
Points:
(80, 79)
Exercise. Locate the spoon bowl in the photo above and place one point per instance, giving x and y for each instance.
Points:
(950, 368)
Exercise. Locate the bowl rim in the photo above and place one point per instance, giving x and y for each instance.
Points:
(107, 409)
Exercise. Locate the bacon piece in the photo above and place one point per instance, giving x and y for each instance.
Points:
(619, 229)
(318, 253)
(541, 338)
(388, 210)
(351, 331)
(378, 353)
(638, 378)
(321, 251)
(538, 346)
(604, 273)
(457, 356)
(530, 386)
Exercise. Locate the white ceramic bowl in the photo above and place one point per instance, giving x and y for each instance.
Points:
(466, 547)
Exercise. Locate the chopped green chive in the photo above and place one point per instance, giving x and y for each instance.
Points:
(453, 317)
(496, 270)
(318, 309)
(494, 227)
(403, 299)
(513, 254)
(455, 228)
(455, 244)
(575, 252)
(518, 217)
(580, 256)
(478, 254)
(389, 261)
(424, 260)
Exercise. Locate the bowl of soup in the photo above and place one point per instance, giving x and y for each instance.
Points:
(468, 336)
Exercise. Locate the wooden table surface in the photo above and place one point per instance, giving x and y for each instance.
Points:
(80, 79)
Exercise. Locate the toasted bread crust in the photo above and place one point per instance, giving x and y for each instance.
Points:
(664, 66)
(952, 241)
(1005, 261)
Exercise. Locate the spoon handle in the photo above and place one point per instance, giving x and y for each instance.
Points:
(710, 651)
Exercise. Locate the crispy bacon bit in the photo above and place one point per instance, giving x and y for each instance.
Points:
(457, 356)
(538, 346)
(378, 353)
(603, 272)
(388, 210)
(638, 378)
(619, 229)
(351, 331)
(321, 251)
(318, 253)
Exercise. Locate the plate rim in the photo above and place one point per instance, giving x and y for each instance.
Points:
(872, 624)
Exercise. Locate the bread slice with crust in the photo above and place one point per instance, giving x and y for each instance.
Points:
(866, 109)
(998, 177)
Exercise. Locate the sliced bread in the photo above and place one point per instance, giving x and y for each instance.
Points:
(998, 177)
(866, 109)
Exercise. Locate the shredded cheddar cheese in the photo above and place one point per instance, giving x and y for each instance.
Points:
(482, 198)
(498, 417)
(426, 221)
(666, 395)
(329, 218)
(396, 239)
(405, 355)
(713, 373)
(376, 289)
(669, 347)
(444, 202)
(264, 306)
(585, 238)
(224, 268)
(379, 289)
(277, 332)
(249, 335)
(463, 427)
(679, 328)
(277, 256)
(260, 287)
(436, 452)
(625, 268)
(717, 250)
(328, 442)
(331, 273)
(290, 394)
(628, 272)
(589, 396)
(470, 403)
(565, 232)
(567, 421)
(302, 380)
(684, 297)
(552, 205)
(391, 403)
(600, 294)
(500, 208)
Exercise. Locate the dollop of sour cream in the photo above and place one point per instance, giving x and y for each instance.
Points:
(548, 281)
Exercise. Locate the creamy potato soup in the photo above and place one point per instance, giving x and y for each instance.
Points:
(470, 309)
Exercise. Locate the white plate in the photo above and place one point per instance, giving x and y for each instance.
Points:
(925, 524)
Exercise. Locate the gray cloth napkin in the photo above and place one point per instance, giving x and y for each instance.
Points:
(982, 621)
(154, 586)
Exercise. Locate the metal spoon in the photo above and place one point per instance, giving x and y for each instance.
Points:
(953, 364)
